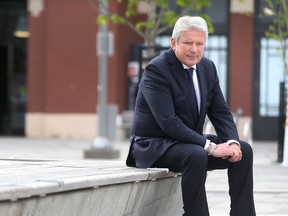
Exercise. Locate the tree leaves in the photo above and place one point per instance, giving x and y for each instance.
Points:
(160, 15)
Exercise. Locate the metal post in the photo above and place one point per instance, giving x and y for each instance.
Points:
(285, 147)
(102, 47)
(102, 146)
(281, 121)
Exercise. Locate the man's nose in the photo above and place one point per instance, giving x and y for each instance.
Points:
(193, 48)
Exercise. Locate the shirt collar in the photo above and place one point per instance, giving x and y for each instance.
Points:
(186, 67)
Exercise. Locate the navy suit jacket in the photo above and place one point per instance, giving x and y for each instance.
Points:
(165, 114)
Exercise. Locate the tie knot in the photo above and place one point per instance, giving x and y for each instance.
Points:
(189, 73)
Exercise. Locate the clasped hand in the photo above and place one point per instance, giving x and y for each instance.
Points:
(230, 152)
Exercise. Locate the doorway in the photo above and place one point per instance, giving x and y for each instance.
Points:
(13, 47)
(268, 76)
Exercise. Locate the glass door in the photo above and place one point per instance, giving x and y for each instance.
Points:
(267, 85)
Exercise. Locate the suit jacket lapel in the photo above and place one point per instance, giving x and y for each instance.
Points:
(203, 90)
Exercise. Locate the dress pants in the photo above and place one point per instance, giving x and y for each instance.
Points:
(193, 162)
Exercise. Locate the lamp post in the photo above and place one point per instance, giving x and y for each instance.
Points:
(102, 144)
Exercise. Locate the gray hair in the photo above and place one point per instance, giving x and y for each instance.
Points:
(189, 23)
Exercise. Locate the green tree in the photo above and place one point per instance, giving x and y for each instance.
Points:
(278, 29)
(158, 15)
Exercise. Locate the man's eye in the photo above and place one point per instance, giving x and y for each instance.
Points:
(188, 43)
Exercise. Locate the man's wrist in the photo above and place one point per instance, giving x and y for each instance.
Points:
(211, 148)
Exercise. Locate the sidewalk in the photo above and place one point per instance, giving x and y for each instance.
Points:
(270, 177)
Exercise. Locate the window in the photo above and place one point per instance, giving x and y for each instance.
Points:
(271, 75)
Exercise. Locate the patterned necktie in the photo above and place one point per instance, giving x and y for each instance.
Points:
(192, 90)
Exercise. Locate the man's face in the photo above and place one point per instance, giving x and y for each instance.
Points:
(190, 47)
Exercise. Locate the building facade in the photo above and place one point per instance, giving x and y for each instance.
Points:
(55, 75)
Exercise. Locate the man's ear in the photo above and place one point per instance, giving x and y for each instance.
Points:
(173, 43)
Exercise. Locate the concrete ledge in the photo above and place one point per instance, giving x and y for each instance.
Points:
(86, 187)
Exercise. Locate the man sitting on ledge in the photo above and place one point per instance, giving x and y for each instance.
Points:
(177, 90)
